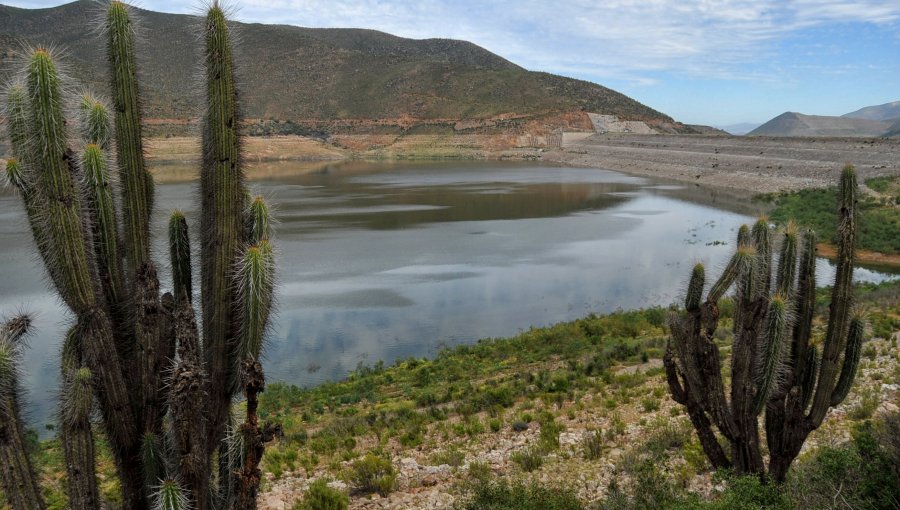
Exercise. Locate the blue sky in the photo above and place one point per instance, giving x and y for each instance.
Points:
(712, 62)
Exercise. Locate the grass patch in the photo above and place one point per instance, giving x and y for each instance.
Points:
(501, 495)
(879, 223)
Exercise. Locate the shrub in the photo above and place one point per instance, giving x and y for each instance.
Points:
(371, 474)
(864, 473)
(592, 443)
(528, 459)
(504, 496)
(322, 497)
(549, 438)
(451, 457)
(520, 426)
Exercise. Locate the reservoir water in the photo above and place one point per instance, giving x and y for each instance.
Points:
(382, 261)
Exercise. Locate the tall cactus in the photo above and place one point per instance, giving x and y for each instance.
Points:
(774, 367)
(134, 353)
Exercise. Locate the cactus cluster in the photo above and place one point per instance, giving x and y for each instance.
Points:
(135, 360)
(775, 368)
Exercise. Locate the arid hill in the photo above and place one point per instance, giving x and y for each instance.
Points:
(798, 124)
(306, 80)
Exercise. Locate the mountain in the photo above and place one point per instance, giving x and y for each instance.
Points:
(740, 129)
(894, 130)
(882, 112)
(328, 78)
(798, 124)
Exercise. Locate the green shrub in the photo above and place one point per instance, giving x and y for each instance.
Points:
(592, 444)
(868, 402)
(371, 474)
(451, 456)
(528, 459)
(518, 496)
(549, 435)
(322, 497)
(864, 473)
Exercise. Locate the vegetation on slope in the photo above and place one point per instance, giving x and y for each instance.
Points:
(294, 73)
(541, 386)
(879, 218)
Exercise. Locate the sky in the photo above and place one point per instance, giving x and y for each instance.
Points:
(715, 62)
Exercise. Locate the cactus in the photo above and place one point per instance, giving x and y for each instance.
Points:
(134, 353)
(16, 470)
(774, 368)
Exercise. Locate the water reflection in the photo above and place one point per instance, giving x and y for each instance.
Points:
(383, 261)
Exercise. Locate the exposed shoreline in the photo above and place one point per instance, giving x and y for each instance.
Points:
(750, 165)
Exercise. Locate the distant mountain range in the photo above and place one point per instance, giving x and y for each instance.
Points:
(740, 129)
(871, 121)
(884, 112)
(322, 79)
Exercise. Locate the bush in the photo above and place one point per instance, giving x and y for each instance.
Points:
(865, 472)
(503, 496)
(593, 444)
(528, 459)
(371, 474)
(322, 497)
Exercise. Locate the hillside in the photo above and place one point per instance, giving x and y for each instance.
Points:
(798, 124)
(882, 112)
(320, 79)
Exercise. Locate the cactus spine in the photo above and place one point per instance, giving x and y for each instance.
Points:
(222, 220)
(16, 470)
(774, 368)
(136, 182)
(164, 397)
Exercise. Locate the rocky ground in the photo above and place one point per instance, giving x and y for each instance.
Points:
(751, 164)
(626, 424)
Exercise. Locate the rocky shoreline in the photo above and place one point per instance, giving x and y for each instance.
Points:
(745, 164)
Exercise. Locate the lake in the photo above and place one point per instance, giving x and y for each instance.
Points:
(382, 261)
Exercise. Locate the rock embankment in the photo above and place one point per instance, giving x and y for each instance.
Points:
(748, 164)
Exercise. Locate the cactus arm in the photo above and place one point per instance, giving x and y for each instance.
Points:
(681, 393)
(805, 304)
(841, 299)
(259, 221)
(222, 219)
(180, 257)
(169, 495)
(762, 241)
(102, 212)
(786, 273)
(94, 119)
(153, 331)
(76, 434)
(17, 474)
(137, 185)
(808, 381)
(17, 118)
(695, 289)
(255, 436)
(256, 276)
(190, 384)
(851, 361)
(767, 372)
(62, 221)
(737, 265)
